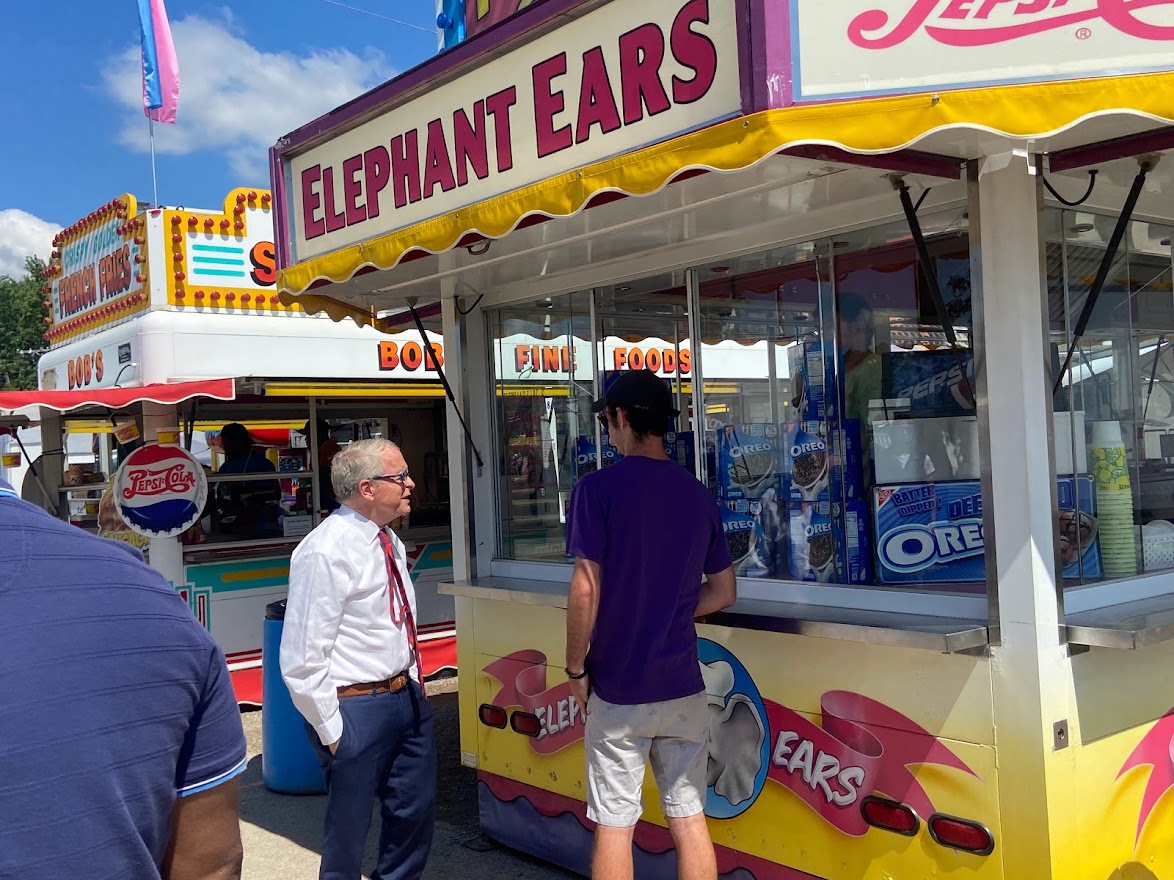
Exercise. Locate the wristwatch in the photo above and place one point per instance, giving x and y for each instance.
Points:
(575, 676)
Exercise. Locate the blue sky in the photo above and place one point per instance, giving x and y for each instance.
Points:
(249, 73)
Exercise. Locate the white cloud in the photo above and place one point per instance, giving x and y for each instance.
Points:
(23, 235)
(235, 98)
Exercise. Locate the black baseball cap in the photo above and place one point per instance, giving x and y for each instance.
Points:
(638, 389)
(323, 429)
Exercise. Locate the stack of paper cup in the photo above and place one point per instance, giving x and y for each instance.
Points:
(1116, 530)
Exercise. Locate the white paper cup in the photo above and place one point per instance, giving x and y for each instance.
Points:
(1107, 435)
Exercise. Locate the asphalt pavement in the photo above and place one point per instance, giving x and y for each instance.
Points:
(282, 833)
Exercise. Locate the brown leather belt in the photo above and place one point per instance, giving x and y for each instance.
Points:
(394, 684)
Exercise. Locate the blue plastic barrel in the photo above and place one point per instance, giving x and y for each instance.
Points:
(288, 763)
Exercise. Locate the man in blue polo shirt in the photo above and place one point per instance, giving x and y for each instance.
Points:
(120, 738)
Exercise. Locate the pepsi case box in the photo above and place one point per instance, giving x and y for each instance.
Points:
(937, 383)
(749, 461)
(815, 393)
(822, 463)
(829, 542)
(933, 532)
(766, 552)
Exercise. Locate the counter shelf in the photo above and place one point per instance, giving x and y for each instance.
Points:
(1127, 626)
(946, 635)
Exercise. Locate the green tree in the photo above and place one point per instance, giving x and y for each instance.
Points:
(22, 327)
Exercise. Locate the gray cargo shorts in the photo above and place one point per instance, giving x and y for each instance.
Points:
(620, 740)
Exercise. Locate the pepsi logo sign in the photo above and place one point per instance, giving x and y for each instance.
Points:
(160, 491)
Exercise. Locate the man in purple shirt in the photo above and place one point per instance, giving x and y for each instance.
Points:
(643, 532)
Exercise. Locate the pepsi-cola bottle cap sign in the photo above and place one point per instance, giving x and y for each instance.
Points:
(160, 491)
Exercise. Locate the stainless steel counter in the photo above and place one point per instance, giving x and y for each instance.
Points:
(1128, 626)
(945, 635)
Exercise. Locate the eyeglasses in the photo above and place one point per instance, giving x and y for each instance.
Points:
(604, 422)
(401, 478)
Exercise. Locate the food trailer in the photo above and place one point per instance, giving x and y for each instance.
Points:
(942, 231)
(164, 326)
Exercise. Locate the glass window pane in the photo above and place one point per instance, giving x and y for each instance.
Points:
(754, 312)
(644, 325)
(1113, 402)
(543, 391)
(846, 444)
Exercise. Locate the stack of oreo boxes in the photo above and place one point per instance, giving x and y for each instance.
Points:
(823, 463)
(751, 490)
(793, 495)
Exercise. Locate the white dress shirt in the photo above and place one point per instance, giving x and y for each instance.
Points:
(338, 626)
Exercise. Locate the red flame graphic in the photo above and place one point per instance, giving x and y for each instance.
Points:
(1156, 750)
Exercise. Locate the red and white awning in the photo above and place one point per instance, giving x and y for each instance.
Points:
(117, 398)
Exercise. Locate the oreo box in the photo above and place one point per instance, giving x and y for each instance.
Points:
(933, 532)
(749, 461)
(829, 543)
(587, 459)
(746, 540)
(823, 464)
(767, 551)
(814, 392)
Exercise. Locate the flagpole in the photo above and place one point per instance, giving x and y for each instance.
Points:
(154, 181)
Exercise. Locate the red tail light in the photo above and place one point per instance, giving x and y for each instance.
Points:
(961, 834)
(890, 815)
(526, 724)
(492, 716)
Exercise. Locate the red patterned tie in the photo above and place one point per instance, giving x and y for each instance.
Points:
(397, 593)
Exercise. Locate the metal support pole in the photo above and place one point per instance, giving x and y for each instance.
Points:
(154, 181)
(693, 291)
(1029, 672)
(772, 371)
(313, 439)
(596, 337)
(677, 355)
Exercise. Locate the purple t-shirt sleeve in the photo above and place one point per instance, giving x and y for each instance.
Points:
(586, 529)
(718, 556)
(214, 748)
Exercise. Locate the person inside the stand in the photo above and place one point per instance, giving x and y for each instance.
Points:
(120, 740)
(632, 658)
(248, 509)
(862, 364)
(350, 658)
(328, 448)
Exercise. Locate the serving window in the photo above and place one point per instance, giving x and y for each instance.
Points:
(826, 395)
(542, 393)
(1114, 401)
(848, 454)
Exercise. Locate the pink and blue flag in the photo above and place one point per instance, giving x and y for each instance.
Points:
(160, 66)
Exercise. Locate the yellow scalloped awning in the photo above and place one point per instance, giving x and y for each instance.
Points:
(873, 126)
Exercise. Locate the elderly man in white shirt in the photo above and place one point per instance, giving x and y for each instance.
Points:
(350, 659)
